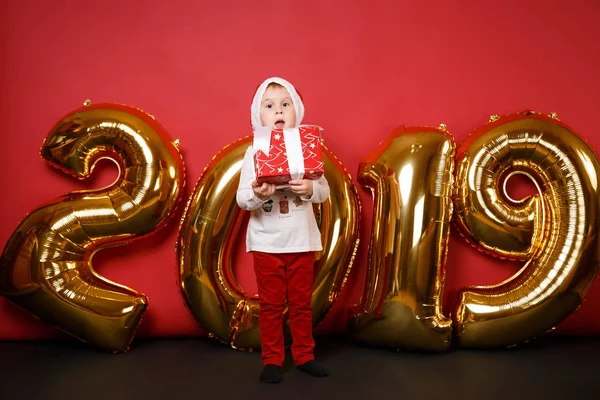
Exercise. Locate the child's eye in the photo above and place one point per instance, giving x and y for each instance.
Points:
(269, 105)
(285, 104)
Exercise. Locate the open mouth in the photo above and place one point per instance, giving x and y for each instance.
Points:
(279, 124)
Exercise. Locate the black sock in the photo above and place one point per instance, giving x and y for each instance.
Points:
(271, 373)
(314, 368)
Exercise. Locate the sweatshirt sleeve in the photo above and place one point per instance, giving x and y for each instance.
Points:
(320, 191)
(245, 196)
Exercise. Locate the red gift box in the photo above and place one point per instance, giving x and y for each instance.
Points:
(274, 167)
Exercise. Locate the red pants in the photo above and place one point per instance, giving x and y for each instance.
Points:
(280, 277)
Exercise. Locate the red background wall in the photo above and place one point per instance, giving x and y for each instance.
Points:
(363, 68)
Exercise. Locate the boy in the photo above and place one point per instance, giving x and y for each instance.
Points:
(282, 237)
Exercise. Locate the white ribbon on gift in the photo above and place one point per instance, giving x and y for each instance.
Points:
(293, 147)
(262, 139)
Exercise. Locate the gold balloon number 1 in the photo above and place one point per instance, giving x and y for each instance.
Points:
(410, 174)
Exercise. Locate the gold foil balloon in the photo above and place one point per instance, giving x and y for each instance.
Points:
(211, 226)
(556, 230)
(410, 174)
(46, 264)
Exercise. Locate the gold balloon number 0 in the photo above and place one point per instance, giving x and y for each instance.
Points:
(211, 227)
(46, 264)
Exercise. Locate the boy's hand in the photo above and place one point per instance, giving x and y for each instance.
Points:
(264, 191)
(303, 187)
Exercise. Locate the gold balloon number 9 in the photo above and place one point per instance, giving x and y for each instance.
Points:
(208, 233)
(46, 264)
(555, 231)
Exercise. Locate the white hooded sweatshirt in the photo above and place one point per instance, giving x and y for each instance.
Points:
(285, 223)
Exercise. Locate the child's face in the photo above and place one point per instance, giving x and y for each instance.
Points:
(277, 109)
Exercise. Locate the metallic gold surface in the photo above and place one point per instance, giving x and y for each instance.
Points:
(555, 231)
(210, 229)
(410, 174)
(46, 264)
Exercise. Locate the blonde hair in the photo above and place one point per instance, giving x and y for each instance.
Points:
(275, 85)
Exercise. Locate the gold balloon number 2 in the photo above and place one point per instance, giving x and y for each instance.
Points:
(46, 265)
